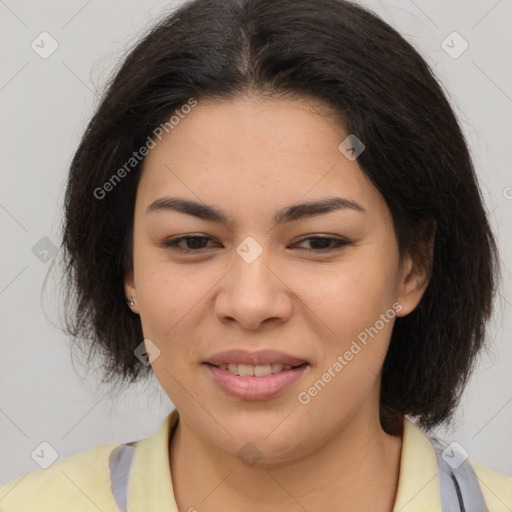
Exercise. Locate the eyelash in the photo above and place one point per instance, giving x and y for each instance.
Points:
(173, 244)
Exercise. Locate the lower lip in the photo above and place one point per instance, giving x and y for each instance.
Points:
(255, 388)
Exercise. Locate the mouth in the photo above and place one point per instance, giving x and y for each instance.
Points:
(258, 359)
(260, 382)
(249, 370)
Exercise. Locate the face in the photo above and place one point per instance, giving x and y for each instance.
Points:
(323, 285)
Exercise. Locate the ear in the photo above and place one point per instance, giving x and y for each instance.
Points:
(417, 267)
(129, 291)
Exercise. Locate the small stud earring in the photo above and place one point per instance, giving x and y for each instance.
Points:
(130, 301)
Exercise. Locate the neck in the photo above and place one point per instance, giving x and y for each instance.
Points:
(359, 470)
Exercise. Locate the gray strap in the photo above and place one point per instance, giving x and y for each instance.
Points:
(120, 462)
(459, 486)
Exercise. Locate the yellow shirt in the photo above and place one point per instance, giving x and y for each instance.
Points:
(81, 483)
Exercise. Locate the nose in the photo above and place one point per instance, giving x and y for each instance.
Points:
(254, 293)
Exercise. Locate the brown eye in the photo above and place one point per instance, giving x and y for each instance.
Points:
(188, 243)
(196, 243)
(324, 243)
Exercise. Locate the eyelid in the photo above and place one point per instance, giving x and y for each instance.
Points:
(172, 242)
(339, 243)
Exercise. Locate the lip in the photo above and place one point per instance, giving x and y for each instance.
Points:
(255, 388)
(256, 358)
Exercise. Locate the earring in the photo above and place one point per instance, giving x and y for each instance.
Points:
(130, 301)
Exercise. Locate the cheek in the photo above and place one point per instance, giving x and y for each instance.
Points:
(165, 298)
(351, 296)
(351, 303)
(164, 292)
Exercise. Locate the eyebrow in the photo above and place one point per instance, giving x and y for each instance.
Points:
(288, 214)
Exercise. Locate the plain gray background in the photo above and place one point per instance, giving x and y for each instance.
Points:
(45, 105)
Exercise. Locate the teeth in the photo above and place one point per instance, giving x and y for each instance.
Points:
(248, 370)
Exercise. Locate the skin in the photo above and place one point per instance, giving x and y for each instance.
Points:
(251, 157)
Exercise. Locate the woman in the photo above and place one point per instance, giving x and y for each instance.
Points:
(274, 210)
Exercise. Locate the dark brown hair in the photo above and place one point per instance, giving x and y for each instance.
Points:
(384, 92)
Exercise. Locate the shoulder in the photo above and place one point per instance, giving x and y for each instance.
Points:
(422, 457)
(83, 483)
(496, 487)
(79, 482)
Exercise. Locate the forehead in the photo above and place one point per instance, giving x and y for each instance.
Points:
(255, 124)
(254, 152)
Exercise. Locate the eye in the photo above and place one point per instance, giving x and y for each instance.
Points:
(196, 243)
(193, 243)
(322, 243)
